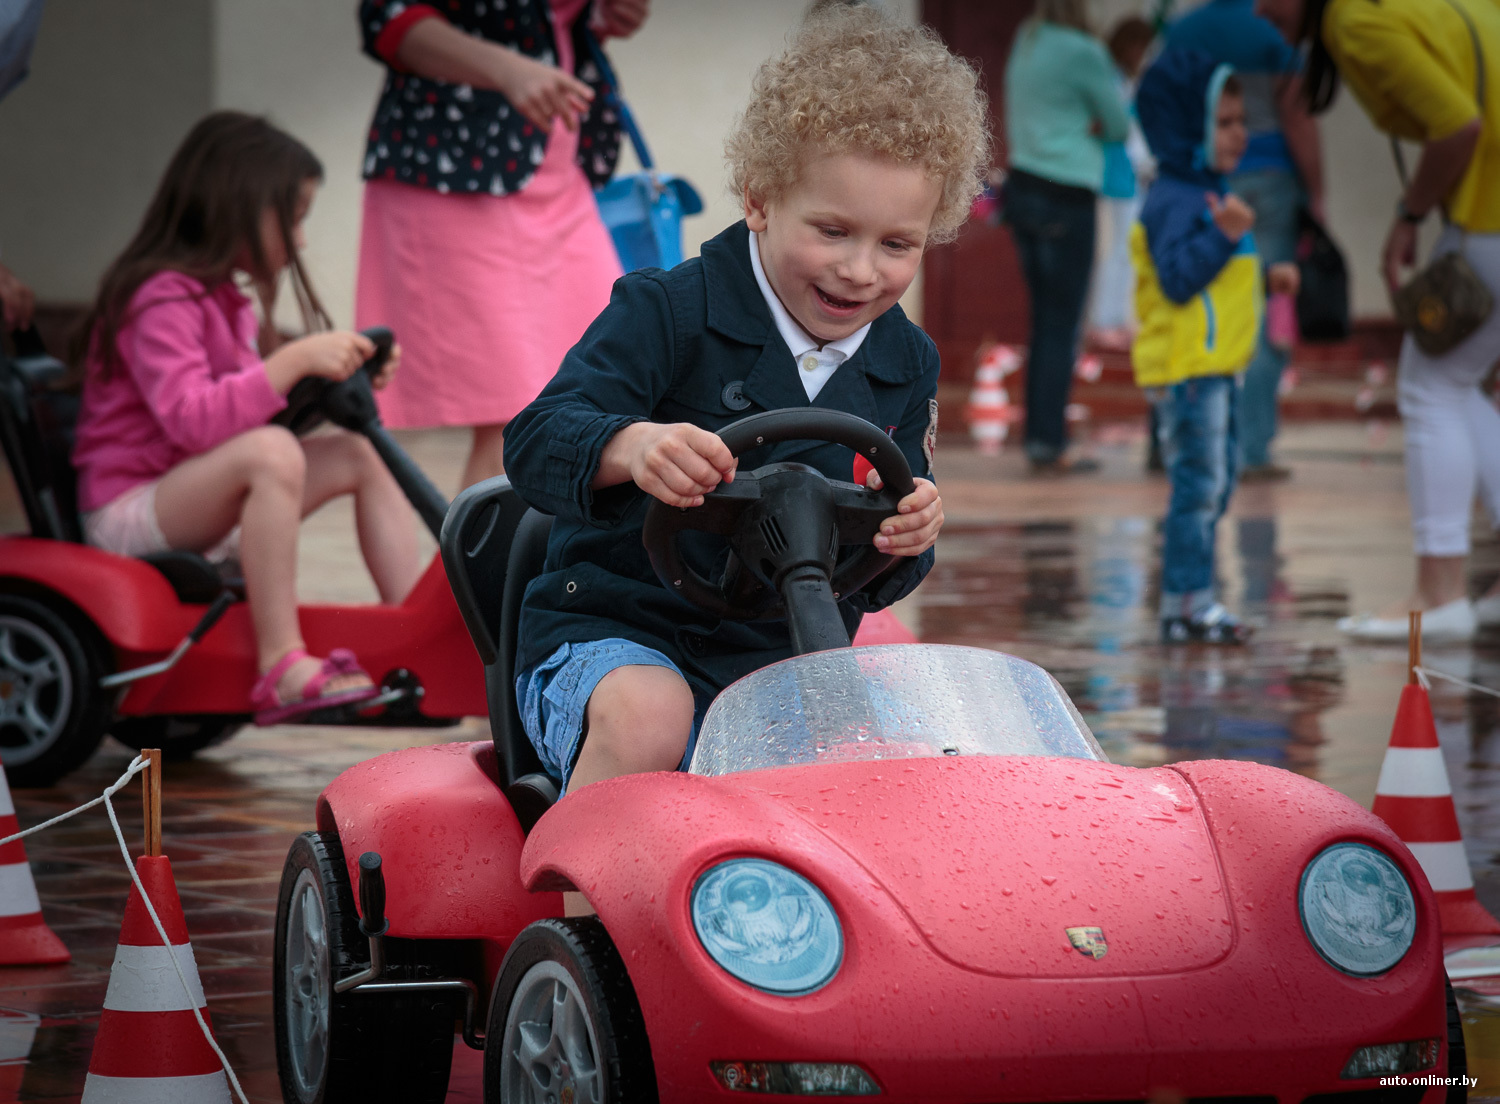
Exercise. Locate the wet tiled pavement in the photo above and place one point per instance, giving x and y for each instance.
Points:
(1059, 571)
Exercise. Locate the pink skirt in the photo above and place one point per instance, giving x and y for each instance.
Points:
(485, 293)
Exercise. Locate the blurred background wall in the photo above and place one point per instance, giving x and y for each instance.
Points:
(116, 83)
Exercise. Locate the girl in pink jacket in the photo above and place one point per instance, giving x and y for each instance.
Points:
(174, 449)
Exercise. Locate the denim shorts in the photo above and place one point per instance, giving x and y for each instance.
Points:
(553, 697)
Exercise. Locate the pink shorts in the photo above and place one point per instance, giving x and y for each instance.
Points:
(128, 527)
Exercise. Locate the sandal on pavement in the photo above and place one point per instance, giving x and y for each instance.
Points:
(269, 707)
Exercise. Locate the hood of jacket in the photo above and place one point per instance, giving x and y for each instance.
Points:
(1175, 103)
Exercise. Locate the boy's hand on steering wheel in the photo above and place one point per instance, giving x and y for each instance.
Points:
(914, 529)
(677, 463)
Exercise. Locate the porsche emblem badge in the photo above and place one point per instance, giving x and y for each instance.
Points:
(1088, 941)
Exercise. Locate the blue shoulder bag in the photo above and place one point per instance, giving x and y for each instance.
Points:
(644, 210)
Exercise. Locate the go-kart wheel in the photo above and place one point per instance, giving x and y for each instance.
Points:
(345, 1048)
(178, 737)
(1458, 1051)
(52, 712)
(564, 1021)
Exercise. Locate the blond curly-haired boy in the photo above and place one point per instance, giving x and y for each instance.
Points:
(863, 144)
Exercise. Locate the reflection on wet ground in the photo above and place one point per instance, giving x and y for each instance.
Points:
(1062, 572)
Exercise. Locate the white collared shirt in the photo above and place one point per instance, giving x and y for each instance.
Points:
(815, 366)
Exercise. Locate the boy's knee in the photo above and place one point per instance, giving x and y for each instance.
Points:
(643, 716)
(274, 452)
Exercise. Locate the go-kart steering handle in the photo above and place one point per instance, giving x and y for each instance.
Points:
(785, 524)
(816, 424)
(350, 404)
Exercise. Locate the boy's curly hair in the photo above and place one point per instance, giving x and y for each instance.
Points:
(854, 80)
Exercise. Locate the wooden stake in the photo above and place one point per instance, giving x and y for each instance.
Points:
(151, 799)
(1413, 645)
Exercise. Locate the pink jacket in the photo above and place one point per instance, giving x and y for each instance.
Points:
(191, 379)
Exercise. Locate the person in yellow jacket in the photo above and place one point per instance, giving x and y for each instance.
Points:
(1199, 300)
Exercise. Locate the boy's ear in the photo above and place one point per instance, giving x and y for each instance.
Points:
(755, 211)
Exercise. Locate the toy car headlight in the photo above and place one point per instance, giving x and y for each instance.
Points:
(768, 926)
(1357, 908)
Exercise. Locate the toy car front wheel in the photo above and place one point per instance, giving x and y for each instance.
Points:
(564, 1021)
(343, 1048)
(1458, 1055)
(52, 712)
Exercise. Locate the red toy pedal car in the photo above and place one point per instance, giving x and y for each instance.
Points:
(160, 651)
(901, 871)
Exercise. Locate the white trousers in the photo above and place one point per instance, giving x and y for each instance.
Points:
(1452, 429)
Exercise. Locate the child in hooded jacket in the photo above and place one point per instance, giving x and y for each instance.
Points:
(1199, 299)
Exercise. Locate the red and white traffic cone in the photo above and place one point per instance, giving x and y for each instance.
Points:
(989, 410)
(1414, 797)
(149, 1046)
(25, 939)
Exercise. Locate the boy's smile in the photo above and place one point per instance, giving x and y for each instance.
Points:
(844, 242)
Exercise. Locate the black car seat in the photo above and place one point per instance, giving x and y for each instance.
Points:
(36, 431)
(492, 546)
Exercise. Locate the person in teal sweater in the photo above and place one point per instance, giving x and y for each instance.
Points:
(1062, 102)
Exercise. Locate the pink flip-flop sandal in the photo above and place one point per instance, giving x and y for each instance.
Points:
(270, 709)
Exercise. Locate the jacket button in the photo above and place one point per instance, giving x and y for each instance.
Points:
(695, 644)
(733, 396)
(572, 586)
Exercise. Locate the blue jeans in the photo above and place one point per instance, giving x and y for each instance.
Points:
(1196, 426)
(553, 698)
(1275, 195)
(1053, 226)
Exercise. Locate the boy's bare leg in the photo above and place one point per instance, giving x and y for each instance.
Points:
(639, 720)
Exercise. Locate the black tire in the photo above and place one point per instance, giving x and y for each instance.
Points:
(571, 960)
(178, 737)
(348, 1048)
(52, 712)
(1458, 1051)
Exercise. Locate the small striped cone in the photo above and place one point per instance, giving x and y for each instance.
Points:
(25, 939)
(149, 1049)
(1414, 798)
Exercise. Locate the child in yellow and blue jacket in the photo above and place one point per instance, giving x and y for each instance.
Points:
(1199, 299)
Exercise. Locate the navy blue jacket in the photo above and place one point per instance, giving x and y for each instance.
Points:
(1175, 103)
(696, 344)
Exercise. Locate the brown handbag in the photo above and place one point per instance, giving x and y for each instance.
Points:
(1446, 301)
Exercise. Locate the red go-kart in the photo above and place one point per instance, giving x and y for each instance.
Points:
(902, 871)
(160, 651)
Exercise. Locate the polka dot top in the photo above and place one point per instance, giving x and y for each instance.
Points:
(456, 138)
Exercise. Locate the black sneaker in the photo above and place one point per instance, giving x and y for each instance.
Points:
(1214, 625)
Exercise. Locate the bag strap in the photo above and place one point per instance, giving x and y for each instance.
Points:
(613, 98)
(1479, 89)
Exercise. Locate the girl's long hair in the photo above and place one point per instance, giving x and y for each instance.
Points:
(1320, 80)
(205, 219)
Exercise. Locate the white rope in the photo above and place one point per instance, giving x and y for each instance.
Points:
(166, 942)
(137, 765)
(1425, 675)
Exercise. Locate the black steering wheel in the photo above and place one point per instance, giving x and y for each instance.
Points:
(784, 521)
(313, 399)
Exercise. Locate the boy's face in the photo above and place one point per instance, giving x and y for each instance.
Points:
(843, 244)
(1230, 135)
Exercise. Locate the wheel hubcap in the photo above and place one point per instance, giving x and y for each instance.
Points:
(36, 689)
(551, 1047)
(309, 988)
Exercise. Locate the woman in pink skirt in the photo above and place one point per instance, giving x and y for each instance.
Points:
(481, 245)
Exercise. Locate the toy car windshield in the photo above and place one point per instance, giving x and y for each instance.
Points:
(894, 701)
